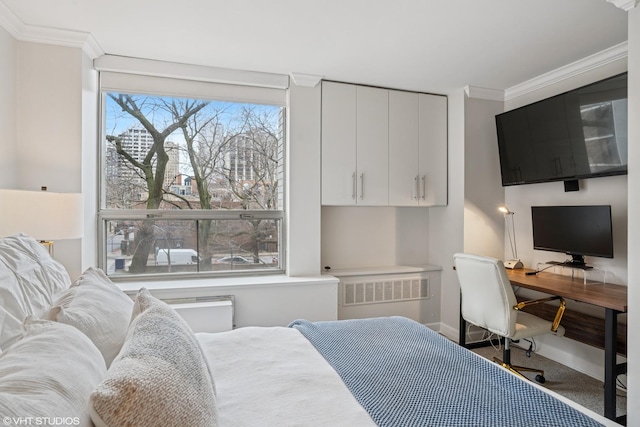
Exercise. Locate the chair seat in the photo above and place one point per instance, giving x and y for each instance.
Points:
(528, 325)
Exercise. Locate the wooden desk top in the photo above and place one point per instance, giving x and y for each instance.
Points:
(593, 292)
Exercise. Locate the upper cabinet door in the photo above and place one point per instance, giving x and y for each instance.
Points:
(383, 147)
(404, 169)
(372, 125)
(433, 150)
(339, 174)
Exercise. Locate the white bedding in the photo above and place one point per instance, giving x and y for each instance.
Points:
(275, 377)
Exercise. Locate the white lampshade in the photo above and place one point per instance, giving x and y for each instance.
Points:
(42, 215)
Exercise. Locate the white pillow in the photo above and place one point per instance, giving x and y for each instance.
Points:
(49, 372)
(29, 281)
(97, 307)
(160, 377)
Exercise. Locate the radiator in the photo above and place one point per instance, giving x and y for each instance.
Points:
(210, 314)
(380, 291)
(415, 295)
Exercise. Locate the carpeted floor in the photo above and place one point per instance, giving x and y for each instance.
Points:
(563, 380)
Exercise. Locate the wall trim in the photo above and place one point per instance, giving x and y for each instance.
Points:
(568, 71)
(484, 93)
(149, 67)
(306, 80)
(35, 34)
(625, 5)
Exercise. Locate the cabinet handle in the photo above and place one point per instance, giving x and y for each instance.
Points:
(353, 186)
(362, 186)
(416, 187)
(424, 187)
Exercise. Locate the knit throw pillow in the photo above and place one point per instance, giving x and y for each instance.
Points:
(160, 377)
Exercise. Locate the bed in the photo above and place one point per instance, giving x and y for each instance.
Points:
(83, 353)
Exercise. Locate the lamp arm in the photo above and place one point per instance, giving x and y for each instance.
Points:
(513, 231)
(559, 313)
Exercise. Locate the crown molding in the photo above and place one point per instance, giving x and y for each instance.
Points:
(625, 5)
(589, 63)
(151, 67)
(306, 80)
(484, 93)
(36, 34)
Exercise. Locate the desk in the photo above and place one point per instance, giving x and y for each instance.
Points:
(613, 298)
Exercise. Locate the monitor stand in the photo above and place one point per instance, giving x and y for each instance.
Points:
(571, 264)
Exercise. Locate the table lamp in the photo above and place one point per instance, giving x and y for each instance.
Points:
(43, 215)
(514, 262)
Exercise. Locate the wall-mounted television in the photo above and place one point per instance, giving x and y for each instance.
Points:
(578, 134)
(578, 231)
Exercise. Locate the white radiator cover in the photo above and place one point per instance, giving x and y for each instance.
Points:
(381, 290)
(408, 292)
(206, 316)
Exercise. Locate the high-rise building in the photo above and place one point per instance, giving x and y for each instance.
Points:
(137, 142)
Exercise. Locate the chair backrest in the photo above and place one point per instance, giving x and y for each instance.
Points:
(487, 296)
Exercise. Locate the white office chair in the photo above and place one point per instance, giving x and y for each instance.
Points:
(488, 301)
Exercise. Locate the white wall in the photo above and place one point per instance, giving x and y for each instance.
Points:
(358, 236)
(446, 224)
(8, 96)
(49, 128)
(412, 236)
(303, 181)
(483, 192)
(633, 318)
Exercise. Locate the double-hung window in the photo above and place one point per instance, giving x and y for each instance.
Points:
(191, 178)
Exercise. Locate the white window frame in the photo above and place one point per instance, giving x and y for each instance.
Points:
(132, 75)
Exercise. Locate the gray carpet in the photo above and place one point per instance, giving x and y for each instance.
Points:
(563, 380)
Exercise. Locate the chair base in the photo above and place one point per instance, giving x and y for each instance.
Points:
(519, 369)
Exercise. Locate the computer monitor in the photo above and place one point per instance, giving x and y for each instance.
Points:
(578, 231)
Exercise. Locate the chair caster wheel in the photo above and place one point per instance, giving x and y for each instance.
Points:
(540, 379)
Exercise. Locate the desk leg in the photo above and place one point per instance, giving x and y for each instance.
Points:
(610, 363)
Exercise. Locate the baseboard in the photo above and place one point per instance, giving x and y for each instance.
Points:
(583, 358)
(473, 333)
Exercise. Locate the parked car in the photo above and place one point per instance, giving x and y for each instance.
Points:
(236, 259)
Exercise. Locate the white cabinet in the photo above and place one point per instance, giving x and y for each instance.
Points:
(417, 149)
(354, 145)
(372, 146)
(433, 150)
(383, 147)
(338, 144)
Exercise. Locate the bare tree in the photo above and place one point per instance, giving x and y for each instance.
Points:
(153, 165)
(214, 143)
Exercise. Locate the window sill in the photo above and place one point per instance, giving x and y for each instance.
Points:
(376, 271)
(189, 288)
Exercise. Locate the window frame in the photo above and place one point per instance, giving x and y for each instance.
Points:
(249, 95)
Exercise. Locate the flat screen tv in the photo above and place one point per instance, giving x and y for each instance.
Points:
(578, 231)
(578, 134)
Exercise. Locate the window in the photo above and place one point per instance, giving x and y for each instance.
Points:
(191, 183)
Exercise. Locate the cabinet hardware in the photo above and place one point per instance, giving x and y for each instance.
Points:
(353, 186)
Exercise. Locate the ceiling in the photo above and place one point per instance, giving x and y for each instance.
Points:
(424, 45)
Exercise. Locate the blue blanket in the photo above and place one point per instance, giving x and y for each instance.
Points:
(405, 374)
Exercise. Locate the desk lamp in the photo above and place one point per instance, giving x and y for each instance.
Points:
(514, 262)
(43, 215)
